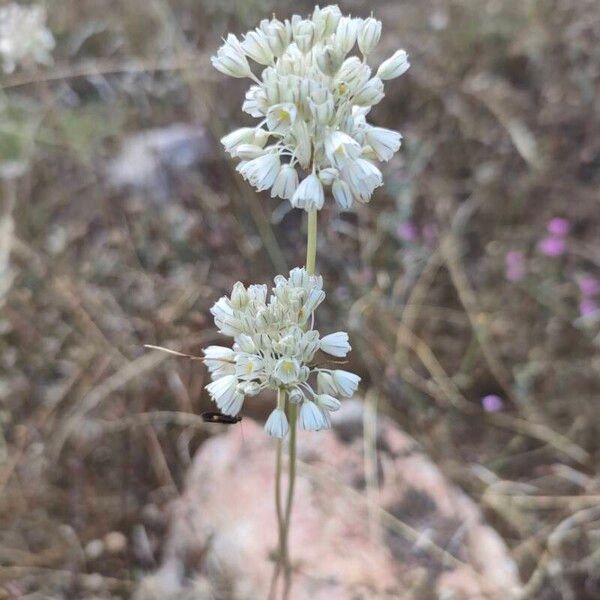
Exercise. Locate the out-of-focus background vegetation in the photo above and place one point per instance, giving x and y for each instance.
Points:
(470, 284)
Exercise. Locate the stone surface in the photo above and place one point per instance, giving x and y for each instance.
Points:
(223, 528)
(149, 160)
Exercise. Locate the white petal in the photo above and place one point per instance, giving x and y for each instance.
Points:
(310, 194)
(369, 35)
(328, 402)
(223, 389)
(232, 140)
(385, 142)
(336, 344)
(342, 194)
(346, 382)
(277, 424)
(325, 384)
(285, 183)
(311, 417)
(287, 370)
(394, 66)
(232, 406)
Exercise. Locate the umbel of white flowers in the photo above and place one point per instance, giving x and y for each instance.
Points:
(24, 37)
(274, 348)
(312, 100)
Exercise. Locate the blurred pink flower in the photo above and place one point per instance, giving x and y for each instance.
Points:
(492, 403)
(552, 246)
(559, 226)
(589, 286)
(588, 307)
(407, 231)
(515, 268)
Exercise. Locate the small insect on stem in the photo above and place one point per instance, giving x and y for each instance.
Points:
(217, 417)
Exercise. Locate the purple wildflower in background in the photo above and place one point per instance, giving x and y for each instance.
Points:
(589, 286)
(514, 266)
(407, 232)
(559, 227)
(552, 246)
(588, 307)
(492, 403)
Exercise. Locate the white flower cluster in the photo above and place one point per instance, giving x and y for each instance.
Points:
(312, 100)
(274, 348)
(24, 37)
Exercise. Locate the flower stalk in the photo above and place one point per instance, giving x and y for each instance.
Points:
(311, 243)
(284, 525)
(311, 100)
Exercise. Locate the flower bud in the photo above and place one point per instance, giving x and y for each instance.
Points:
(249, 151)
(394, 66)
(370, 93)
(244, 135)
(369, 35)
(353, 72)
(322, 107)
(345, 34)
(256, 46)
(342, 194)
(239, 296)
(230, 59)
(328, 402)
(279, 35)
(328, 175)
(303, 143)
(304, 35)
(325, 384)
(296, 396)
(326, 19)
(329, 60)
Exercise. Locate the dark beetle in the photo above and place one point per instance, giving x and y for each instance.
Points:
(217, 417)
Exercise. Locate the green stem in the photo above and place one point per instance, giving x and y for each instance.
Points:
(293, 418)
(278, 474)
(311, 264)
(311, 243)
(281, 561)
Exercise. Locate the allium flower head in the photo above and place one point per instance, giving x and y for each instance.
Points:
(312, 100)
(24, 37)
(274, 348)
